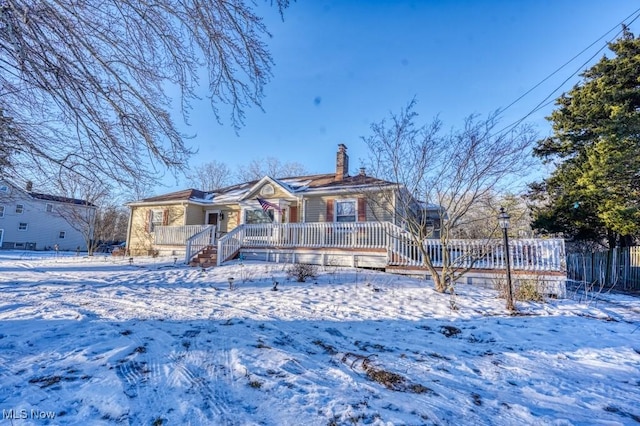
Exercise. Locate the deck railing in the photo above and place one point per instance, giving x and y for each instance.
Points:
(526, 254)
(176, 235)
(199, 241)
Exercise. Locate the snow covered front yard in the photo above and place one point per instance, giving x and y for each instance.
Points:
(98, 341)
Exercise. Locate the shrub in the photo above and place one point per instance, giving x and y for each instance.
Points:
(301, 272)
(524, 290)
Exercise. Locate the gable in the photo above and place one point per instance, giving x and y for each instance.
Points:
(268, 187)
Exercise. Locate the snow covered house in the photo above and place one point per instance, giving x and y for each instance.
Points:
(332, 218)
(328, 199)
(35, 221)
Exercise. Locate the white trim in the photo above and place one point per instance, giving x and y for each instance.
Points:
(344, 200)
(151, 222)
(261, 182)
(212, 211)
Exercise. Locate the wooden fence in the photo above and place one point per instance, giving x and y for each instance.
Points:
(618, 268)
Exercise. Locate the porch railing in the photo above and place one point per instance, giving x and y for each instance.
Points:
(198, 242)
(526, 254)
(176, 235)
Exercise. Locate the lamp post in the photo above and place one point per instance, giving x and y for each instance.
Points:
(503, 221)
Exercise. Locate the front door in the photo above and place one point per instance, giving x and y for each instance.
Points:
(212, 219)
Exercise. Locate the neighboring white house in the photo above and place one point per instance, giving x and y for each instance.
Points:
(34, 221)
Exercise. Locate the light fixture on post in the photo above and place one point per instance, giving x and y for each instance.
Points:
(503, 221)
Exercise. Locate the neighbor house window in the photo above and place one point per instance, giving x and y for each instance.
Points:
(1, 211)
(62, 234)
(19, 208)
(49, 208)
(346, 211)
(22, 226)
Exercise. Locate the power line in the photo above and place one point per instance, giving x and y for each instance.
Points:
(544, 102)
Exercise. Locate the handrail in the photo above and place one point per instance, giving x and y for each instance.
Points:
(229, 244)
(199, 241)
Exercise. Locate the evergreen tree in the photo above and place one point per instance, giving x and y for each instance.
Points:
(594, 193)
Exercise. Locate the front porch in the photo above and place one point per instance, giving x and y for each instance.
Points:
(380, 245)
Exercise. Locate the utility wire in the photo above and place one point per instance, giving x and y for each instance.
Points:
(544, 102)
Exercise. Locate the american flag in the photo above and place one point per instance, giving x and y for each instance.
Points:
(267, 205)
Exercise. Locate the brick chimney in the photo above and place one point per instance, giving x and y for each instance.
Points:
(29, 186)
(342, 162)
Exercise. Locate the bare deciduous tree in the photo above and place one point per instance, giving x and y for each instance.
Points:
(271, 166)
(210, 176)
(443, 176)
(85, 83)
(98, 216)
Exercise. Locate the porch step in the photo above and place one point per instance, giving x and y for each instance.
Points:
(206, 258)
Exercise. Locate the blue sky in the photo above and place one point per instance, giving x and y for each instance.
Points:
(341, 65)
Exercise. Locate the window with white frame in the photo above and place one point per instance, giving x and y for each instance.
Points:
(19, 208)
(258, 216)
(1, 211)
(62, 234)
(22, 226)
(4, 188)
(346, 211)
(157, 219)
(49, 208)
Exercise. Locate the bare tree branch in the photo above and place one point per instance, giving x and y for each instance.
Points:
(270, 166)
(444, 177)
(86, 83)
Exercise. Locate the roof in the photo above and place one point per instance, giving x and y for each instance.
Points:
(184, 195)
(295, 185)
(46, 197)
(59, 199)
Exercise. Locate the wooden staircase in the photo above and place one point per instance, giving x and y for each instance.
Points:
(206, 258)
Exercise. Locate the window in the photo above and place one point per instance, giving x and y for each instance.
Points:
(346, 211)
(19, 208)
(267, 190)
(157, 219)
(62, 234)
(1, 211)
(49, 208)
(4, 188)
(22, 226)
(258, 216)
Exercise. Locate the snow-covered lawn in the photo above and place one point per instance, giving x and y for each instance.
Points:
(98, 341)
